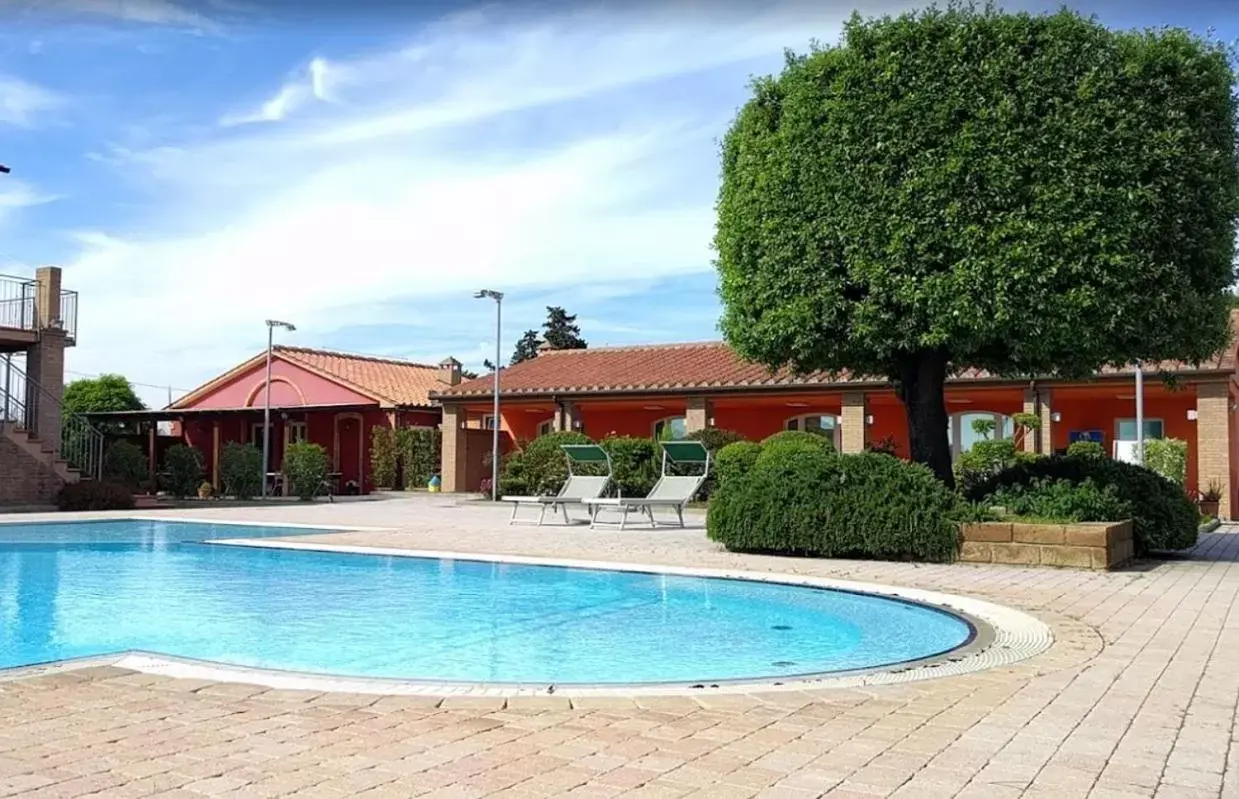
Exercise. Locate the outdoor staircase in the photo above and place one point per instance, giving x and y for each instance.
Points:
(33, 468)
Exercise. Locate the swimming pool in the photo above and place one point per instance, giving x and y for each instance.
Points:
(84, 589)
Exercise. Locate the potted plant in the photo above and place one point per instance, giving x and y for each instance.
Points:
(1209, 499)
(205, 491)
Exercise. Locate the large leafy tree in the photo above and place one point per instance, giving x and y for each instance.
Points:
(1029, 195)
(102, 394)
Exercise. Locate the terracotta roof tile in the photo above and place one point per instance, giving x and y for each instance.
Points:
(393, 381)
(696, 366)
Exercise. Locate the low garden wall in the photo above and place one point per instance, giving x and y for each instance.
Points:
(1083, 545)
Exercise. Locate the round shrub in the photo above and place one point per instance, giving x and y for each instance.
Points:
(1063, 501)
(1086, 449)
(735, 460)
(184, 470)
(306, 467)
(819, 504)
(126, 464)
(1163, 517)
(540, 468)
(780, 445)
(635, 464)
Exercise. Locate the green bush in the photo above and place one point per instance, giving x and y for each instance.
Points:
(184, 470)
(779, 446)
(714, 441)
(126, 464)
(1086, 449)
(1056, 500)
(383, 457)
(305, 466)
(815, 503)
(240, 470)
(735, 460)
(1167, 457)
(540, 468)
(986, 459)
(635, 464)
(94, 495)
(420, 450)
(1163, 517)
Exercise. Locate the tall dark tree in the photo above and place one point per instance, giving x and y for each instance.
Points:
(1030, 195)
(526, 347)
(561, 331)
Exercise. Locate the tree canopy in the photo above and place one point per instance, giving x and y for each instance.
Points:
(100, 395)
(561, 331)
(526, 347)
(1026, 194)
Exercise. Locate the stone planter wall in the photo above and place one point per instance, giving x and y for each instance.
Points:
(1093, 545)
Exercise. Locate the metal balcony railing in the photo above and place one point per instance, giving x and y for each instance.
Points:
(21, 400)
(17, 303)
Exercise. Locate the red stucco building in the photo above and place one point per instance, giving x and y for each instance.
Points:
(333, 399)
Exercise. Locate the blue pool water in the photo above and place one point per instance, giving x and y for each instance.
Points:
(80, 589)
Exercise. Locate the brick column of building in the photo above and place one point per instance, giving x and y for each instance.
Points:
(1042, 440)
(45, 368)
(455, 455)
(853, 423)
(47, 297)
(567, 416)
(1213, 441)
(697, 414)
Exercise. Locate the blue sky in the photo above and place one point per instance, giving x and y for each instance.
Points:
(360, 169)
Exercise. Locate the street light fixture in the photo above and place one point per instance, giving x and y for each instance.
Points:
(272, 324)
(497, 296)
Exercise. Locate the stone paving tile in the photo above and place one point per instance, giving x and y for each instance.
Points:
(1137, 698)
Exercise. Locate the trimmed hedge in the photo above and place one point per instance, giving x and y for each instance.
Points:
(635, 464)
(817, 503)
(780, 446)
(715, 440)
(94, 495)
(1163, 518)
(735, 460)
(539, 468)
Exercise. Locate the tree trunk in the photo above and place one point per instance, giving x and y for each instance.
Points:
(922, 388)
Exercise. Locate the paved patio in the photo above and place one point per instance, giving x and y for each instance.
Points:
(1136, 698)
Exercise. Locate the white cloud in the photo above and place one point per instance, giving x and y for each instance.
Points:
(16, 195)
(345, 207)
(21, 102)
(154, 12)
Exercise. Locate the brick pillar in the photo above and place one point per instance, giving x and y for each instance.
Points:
(567, 417)
(45, 366)
(1213, 441)
(454, 448)
(1042, 440)
(47, 297)
(697, 414)
(853, 423)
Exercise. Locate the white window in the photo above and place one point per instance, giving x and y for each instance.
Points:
(676, 424)
(811, 422)
(297, 432)
(488, 421)
(962, 435)
(546, 427)
(1125, 429)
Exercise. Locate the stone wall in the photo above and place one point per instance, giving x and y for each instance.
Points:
(1096, 545)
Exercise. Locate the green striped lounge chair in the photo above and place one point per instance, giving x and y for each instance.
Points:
(671, 492)
(577, 489)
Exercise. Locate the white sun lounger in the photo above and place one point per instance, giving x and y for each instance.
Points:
(671, 491)
(577, 489)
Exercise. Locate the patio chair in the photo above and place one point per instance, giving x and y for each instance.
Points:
(576, 489)
(671, 491)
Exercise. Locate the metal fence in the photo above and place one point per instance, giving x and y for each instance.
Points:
(21, 399)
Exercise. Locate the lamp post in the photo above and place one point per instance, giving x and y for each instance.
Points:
(497, 296)
(272, 324)
(1139, 413)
